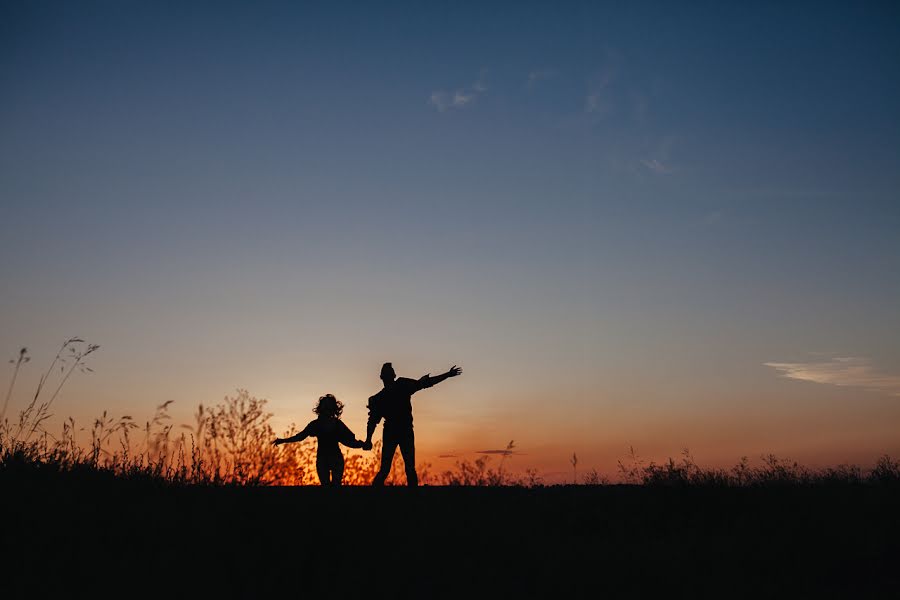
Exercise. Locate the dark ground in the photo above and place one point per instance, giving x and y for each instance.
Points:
(67, 536)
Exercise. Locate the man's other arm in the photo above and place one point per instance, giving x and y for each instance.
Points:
(374, 418)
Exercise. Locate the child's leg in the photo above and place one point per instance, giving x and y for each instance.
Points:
(323, 469)
(337, 473)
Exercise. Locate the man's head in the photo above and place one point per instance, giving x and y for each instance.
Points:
(387, 373)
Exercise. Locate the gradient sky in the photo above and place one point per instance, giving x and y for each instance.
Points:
(653, 225)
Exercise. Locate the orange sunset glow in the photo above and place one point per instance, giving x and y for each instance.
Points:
(621, 253)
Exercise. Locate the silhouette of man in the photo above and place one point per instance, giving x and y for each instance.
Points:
(394, 405)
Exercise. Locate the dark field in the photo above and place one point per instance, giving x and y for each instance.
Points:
(65, 535)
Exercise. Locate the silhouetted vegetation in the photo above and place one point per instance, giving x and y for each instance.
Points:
(227, 444)
(772, 471)
(230, 444)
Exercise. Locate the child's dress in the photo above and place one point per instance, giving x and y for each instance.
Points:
(329, 461)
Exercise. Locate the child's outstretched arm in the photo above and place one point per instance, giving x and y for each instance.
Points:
(294, 438)
(348, 438)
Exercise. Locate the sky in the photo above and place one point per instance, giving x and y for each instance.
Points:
(649, 225)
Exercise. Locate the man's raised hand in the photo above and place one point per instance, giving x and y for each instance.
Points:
(454, 371)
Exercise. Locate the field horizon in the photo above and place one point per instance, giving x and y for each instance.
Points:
(231, 443)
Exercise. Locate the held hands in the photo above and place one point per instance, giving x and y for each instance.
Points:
(367, 445)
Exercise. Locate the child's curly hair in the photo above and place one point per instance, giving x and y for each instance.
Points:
(329, 406)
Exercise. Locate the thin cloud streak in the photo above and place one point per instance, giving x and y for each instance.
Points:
(658, 161)
(657, 167)
(503, 452)
(850, 371)
(444, 100)
(599, 99)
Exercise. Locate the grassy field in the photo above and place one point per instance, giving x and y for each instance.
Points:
(89, 533)
(216, 511)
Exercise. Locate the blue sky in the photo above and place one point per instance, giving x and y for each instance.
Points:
(623, 211)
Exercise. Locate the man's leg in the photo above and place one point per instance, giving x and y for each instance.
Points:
(408, 451)
(388, 447)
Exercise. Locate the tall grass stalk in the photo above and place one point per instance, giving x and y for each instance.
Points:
(22, 359)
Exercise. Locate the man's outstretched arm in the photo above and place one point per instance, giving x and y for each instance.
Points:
(428, 380)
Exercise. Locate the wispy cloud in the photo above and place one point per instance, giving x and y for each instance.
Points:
(657, 167)
(853, 371)
(597, 103)
(444, 100)
(658, 161)
(599, 98)
(539, 75)
(480, 85)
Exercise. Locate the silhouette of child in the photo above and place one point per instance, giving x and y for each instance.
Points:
(330, 431)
